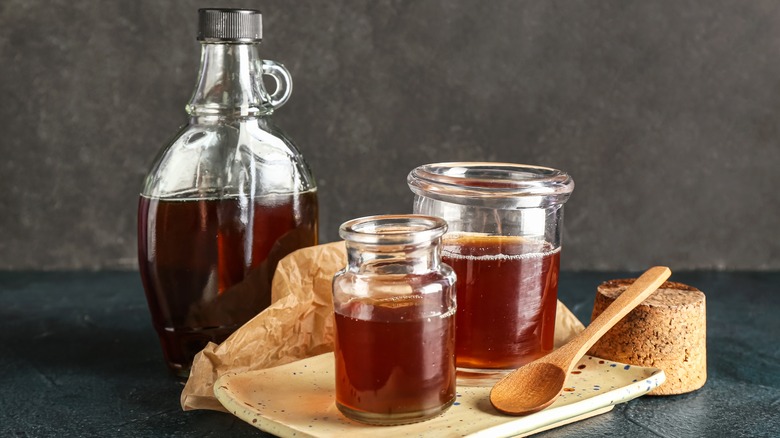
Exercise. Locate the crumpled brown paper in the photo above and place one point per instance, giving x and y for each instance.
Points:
(298, 324)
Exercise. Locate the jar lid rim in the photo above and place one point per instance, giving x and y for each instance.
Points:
(395, 229)
(500, 185)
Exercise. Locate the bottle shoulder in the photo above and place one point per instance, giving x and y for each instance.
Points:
(249, 154)
(257, 135)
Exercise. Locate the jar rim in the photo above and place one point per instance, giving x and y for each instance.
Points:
(393, 229)
(492, 184)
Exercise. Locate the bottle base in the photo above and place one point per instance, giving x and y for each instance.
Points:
(393, 419)
(179, 371)
(180, 345)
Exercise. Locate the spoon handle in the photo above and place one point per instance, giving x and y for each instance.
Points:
(645, 285)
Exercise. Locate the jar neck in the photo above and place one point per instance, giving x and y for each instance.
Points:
(393, 259)
(230, 82)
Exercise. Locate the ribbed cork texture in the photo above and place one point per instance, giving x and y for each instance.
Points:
(230, 25)
(667, 331)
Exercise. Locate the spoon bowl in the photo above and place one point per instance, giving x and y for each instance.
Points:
(537, 385)
(542, 381)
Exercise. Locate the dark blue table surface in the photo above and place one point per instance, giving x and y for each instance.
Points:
(78, 357)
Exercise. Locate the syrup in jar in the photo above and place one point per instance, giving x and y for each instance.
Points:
(507, 297)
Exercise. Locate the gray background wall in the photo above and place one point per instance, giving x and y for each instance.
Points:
(666, 114)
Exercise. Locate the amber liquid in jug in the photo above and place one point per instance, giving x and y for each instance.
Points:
(207, 271)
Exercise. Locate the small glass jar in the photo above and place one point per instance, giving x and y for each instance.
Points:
(504, 243)
(395, 321)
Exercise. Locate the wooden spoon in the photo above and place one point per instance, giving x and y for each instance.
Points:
(537, 385)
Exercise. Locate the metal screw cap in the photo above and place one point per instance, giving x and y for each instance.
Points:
(230, 25)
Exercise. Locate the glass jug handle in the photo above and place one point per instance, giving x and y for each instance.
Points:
(283, 82)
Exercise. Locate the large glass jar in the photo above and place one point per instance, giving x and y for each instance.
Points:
(504, 244)
(226, 199)
(395, 321)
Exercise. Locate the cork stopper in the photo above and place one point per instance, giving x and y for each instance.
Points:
(667, 331)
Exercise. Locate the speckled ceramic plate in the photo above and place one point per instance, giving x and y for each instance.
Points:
(298, 399)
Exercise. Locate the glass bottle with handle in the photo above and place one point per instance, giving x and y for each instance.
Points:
(226, 198)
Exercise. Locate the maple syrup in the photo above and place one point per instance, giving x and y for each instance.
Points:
(507, 296)
(394, 364)
(207, 264)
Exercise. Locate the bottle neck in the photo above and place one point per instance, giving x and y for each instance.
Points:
(393, 259)
(230, 82)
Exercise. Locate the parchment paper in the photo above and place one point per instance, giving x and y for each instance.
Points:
(298, 324)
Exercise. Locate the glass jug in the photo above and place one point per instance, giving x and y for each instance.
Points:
(226, 199)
